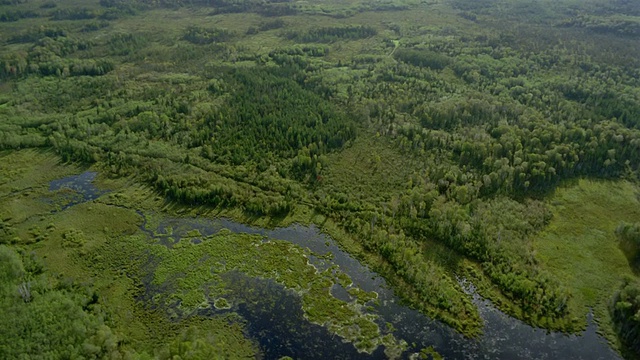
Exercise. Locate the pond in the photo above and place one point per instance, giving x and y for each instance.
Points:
(503, 337)
(76, 189)
(275, 318)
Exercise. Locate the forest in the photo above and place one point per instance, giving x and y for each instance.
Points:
(436, 136)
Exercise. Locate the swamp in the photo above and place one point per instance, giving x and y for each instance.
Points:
(331, 179)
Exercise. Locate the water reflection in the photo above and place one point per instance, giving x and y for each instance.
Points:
(81, 187)
(503, 337)
(275, 318)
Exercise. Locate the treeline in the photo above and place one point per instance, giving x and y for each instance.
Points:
(267, 123)
(49, 56)
(524, 156)
(203, 190)
(629, 238)
(34, 35)
(608, 25)
(12, 2)
(73, 14)
(426, 58)
(15, 15)
(306, 50)
(271, 8)
(273, 118)
(271, 25)
(625, 310)
(44, 318)
(198, 35)
(629, 233)
(114, 9)
(332, 34)
(265, 8)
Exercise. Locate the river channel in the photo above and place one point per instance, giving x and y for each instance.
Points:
(275, 320)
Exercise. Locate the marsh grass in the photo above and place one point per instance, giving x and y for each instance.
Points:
(105, 252)
(154, 63)
(187, 269)
(101, 243)
(580, 248)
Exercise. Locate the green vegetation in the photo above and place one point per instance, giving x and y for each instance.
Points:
(581, 237)
(196, 272)
(624, 310)
(629, 237)
(59, 321)
(69, 281)
(331, 34)
(109, 262)
(432, 140)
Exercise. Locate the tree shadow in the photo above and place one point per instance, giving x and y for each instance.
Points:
(635, 265)
(632, 254)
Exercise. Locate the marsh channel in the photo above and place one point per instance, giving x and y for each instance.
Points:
(275, 320)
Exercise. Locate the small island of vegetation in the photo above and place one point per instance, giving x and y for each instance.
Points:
(494, 142)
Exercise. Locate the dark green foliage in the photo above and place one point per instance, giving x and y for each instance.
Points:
(231, 6)
(625, 310)
(48, 57)
(11, 2)
(520, 157)
(41, 320)
(629, 237)
(276, 9)
(273, 117)
(72, 14)
(308, 50)
(608, 25)
(192, 344)
(94, 26)
(48, 5)
(37, 34)
(269, 8)
(424, 58)
(271, 25)
(629, 233)
(115, 3)
(126, 44)
(332, 34)
(119, 8)
(198, 35)
(15, 15)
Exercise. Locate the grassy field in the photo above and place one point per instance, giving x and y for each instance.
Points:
(579, 247)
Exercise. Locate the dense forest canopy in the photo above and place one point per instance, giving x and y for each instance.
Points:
(432, 133)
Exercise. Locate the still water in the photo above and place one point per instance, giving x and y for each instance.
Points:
(275, 319)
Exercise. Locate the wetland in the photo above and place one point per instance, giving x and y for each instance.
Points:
(332, 179)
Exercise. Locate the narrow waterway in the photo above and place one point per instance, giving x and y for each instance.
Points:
(274, 314)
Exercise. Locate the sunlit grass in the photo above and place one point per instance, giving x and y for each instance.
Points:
(579, 247)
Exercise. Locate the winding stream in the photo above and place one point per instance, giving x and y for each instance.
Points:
(275, 319)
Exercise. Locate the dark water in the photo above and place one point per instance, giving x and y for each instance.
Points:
(81, 188)
(275, 319)
(503, 336)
